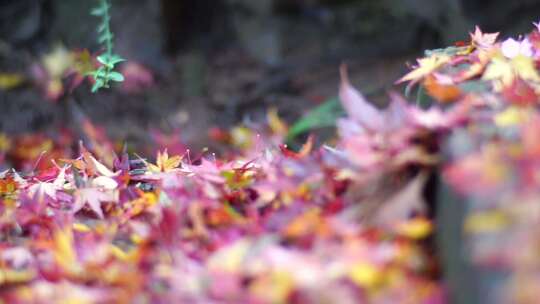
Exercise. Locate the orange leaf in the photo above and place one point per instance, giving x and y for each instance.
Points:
(441, 92)
(8, 186)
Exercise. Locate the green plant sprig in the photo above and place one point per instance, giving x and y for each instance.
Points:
(108, 60)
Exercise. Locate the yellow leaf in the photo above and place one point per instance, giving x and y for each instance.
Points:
(58, 62)
(137, 239)
(274, 288)
(277, 125)
(478, 66)
(8, 276)
(503, 71)
(425, 67)
(5, 142)
(525, 68)
(499, 71)
(231, 258)
(241, 137)
(83, 63)
(308, 222)
(64, 252)
(79, 227)
(485, 222)
(10, 81)
(164, 163)
(512, 116)
(417, 228)
(122, 255)
(366, 275)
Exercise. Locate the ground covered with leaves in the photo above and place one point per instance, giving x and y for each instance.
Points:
(348, 222)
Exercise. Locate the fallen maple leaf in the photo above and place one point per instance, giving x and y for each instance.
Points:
(92, 197)
(101, 169)
(5, 143)
(40, 189)
(9, 81)
(417, 228)
(104, 182)
(499, 71)
(276, 124)
(207, 170)
(441, 92)
(425, 67)
(525, 68)
(520, 93)
(310, 222)
(164, 163)
(64, 251)
(356, 105)
(8, 186)
(502, 71)
(486, 221)
(483, 40)
(512, 48)
(304, 151)
(512, 116)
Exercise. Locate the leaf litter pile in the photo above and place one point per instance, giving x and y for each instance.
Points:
(349, 222)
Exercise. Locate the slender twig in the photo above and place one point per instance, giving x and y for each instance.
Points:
(108, 60)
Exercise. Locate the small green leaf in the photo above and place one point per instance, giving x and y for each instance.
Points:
(116, 59)
(110, 61)
(324, 115)
(115, 76)
(99, 73)
(103, 59)
(102, 27)
(98, 11)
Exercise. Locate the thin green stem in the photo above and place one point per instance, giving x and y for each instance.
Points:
(105, 74)
(108, 41)
(107, 20)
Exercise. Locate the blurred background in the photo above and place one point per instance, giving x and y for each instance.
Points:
(198, 64)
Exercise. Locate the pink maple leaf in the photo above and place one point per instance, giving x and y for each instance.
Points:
(93, 197)
(356, 105)
(512, 48)
(483, 40)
